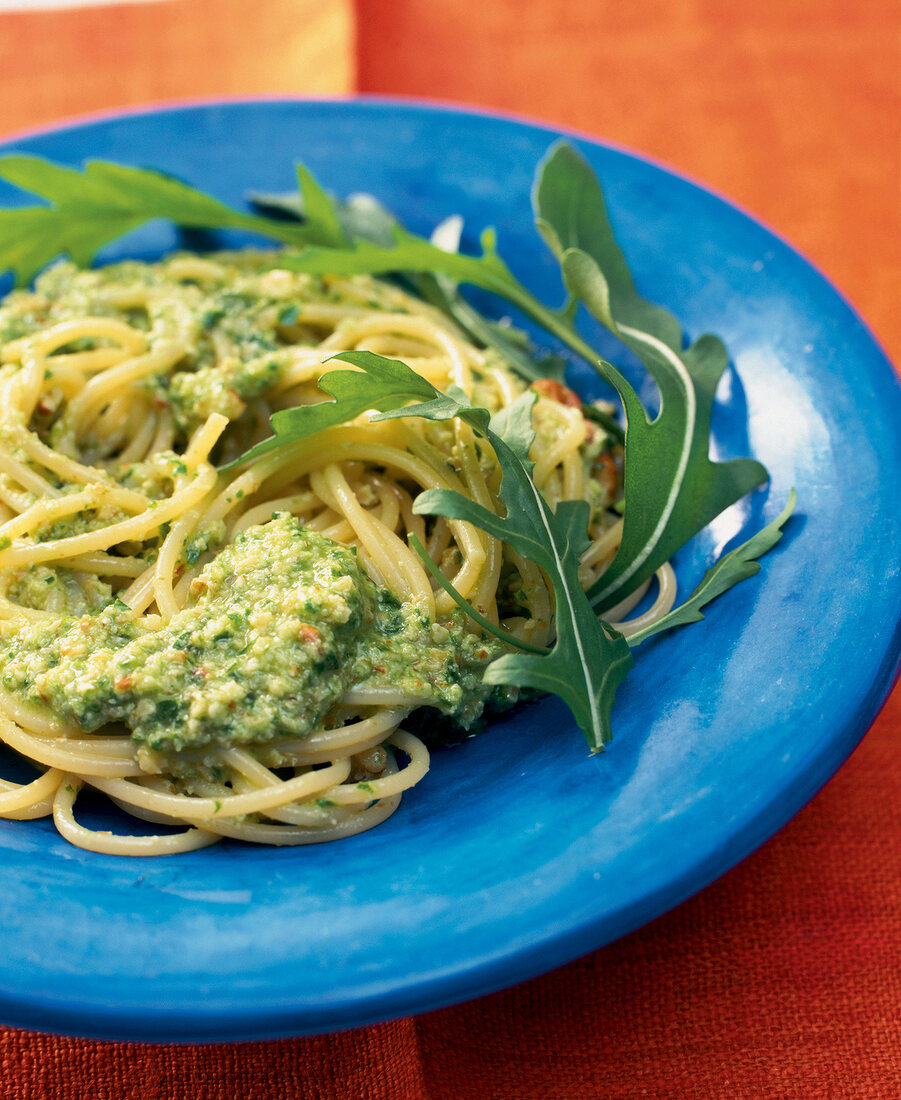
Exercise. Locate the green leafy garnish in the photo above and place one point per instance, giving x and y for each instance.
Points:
(104, 201)
(572, 217)
(385, 384)
(589, 659)
(511, 344)
(736, 566)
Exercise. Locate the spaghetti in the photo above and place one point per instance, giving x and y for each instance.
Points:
(234, 654)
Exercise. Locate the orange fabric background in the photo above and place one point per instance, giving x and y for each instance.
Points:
(58, 63)
(788, 107)
(783, 979)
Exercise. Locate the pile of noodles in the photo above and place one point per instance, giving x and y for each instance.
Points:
(87, 374)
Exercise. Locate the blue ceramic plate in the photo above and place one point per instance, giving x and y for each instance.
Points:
(518, 852)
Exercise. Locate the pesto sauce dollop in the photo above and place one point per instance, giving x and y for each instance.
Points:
(282, 622)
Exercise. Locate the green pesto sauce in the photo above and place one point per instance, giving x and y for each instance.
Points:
(225, 388)
(154, 477)
(237, 326)
(283, 621)
(79, 523)
(59, 590)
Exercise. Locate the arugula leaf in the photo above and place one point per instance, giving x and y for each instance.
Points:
(444, 293)
(92, 207)
(380, 245)
(570, 213)
(513, 423)
(322, 216)
(363, 218)
(667, 463)
(386, 383)
(729, 570)
(358, 215)
(589, 659)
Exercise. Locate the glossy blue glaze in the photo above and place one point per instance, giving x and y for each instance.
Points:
(518, 852)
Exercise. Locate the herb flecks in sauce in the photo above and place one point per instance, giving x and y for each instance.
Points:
(238, 319)
(282, 622)
(58, 590)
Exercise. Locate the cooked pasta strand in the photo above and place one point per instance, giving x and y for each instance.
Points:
(202, 673)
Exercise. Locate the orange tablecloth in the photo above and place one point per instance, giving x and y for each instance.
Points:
(783, 979)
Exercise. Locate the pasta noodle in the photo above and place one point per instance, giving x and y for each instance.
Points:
(122, 392)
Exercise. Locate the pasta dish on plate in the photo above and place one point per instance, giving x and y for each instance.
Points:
(238, 609)
(247, 645)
